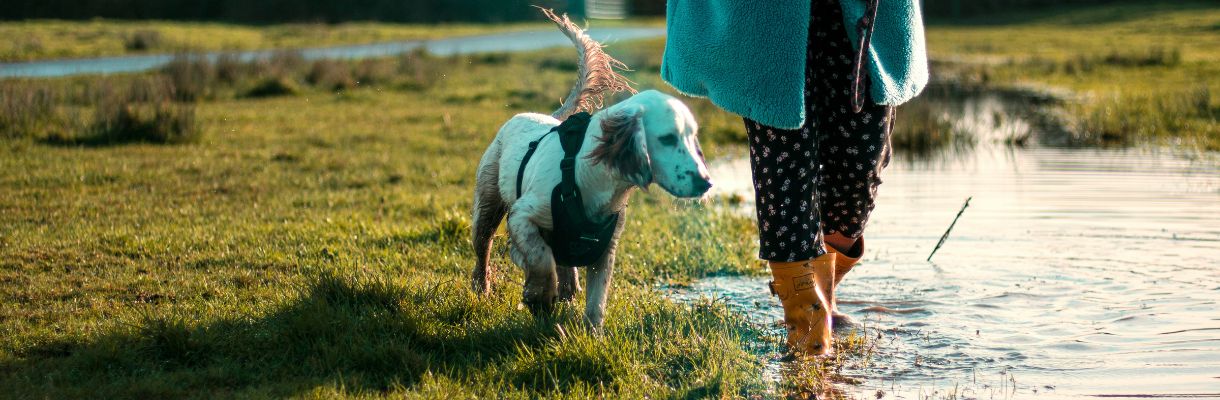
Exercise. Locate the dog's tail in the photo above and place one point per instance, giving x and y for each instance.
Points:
(597, 71)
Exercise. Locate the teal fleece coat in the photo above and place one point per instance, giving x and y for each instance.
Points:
(748, 56)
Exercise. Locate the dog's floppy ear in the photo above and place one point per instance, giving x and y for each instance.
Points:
(623, 146)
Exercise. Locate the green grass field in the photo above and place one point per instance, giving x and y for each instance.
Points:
(1141, 72)
(311, 238)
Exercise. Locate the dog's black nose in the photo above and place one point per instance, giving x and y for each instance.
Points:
(701, 184)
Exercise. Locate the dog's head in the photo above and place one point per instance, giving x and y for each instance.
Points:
(653, 137)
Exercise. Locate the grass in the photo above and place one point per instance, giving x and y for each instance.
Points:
(315, 244)
(48, 39)
(922, 131)
(1144, 71)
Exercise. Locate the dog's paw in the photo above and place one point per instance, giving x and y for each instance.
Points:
(567, 293)
(480, 284)
(540, 303)
(594, 327)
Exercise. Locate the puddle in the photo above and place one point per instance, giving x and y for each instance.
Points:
(502, 42)
(1073, 273)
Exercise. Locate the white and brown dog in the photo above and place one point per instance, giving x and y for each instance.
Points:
(648, 138)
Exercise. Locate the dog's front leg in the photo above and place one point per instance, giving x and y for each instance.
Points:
(597, 280)
(597, 289)
(533, 255)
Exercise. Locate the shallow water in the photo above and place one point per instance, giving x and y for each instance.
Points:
(501, 42)
(1072, 273)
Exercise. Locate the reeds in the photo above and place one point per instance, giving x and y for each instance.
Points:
(418, 69)
(160, 107)
(28, 109)
(331, 75)
(922, 129)
(192, 76)
(1127, 118)
(145, 111)
(143, 40)
(1085, 63)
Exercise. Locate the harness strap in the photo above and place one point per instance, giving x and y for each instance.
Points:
(526, 160)
(580, 240)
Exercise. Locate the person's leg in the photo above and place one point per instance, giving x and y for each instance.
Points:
(785, 170)
(853, 147)
(784, 166)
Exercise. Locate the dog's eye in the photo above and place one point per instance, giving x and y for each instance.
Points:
(668, 140)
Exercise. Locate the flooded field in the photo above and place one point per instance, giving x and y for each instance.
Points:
(1073, 273)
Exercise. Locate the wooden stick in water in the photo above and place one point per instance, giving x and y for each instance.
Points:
(946, 235)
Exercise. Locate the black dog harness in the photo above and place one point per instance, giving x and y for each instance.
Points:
(576, 240)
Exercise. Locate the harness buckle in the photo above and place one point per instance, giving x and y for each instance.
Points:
(567, 163)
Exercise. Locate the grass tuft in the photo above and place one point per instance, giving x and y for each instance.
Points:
(283, 63)
(145, 111)
(28, 109)
(922, 129)
(124, 121)
(143, 40)
(1184, 117)
(274, 86)
(173, 341)
(230, 69)
(331, 75)
(192, 77)
(419, 68)
(371, 72)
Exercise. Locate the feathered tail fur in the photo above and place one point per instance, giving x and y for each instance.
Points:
(597, 72)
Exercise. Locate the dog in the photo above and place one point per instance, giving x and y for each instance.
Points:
(648, 138)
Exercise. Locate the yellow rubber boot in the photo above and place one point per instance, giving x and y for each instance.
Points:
(803, 288)
(844, 261)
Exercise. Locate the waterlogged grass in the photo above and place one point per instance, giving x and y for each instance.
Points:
(1144, 72)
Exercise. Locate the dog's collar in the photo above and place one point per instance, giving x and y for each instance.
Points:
(576, 239)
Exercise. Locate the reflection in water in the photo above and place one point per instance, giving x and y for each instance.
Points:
(1074, 271)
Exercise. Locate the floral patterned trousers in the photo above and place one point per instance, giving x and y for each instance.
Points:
(822, 178)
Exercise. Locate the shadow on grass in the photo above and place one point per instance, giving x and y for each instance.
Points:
(359, 336)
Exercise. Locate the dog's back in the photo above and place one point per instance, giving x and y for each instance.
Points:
(509, 147)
